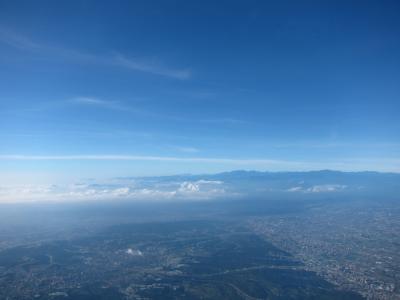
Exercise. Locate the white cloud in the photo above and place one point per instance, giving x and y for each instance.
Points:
(24, 43)
(200, 189)
(296, 189)
(92, 101)
(323, 188)
(188, 187)
(134, 252)
(202, 181)
(326, 188)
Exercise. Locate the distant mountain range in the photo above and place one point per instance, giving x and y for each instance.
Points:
(321, 175)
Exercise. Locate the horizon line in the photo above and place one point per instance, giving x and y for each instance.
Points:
(345, 165)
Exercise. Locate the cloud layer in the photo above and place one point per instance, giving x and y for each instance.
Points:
(137, 190)
(236, 184)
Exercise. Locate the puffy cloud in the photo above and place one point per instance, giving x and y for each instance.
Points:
(200, 189)
(189, 187)
(134, 252)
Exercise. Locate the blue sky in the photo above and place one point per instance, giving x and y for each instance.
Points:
(91, 88)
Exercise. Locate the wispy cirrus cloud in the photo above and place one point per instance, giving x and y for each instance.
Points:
(91, 101)
(112, 105)
(115, 59)
(186, 149)
(18, 41)
(142, 158)
(150, 67)
(355, 164)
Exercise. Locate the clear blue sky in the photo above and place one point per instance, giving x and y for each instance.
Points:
(163, 87)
